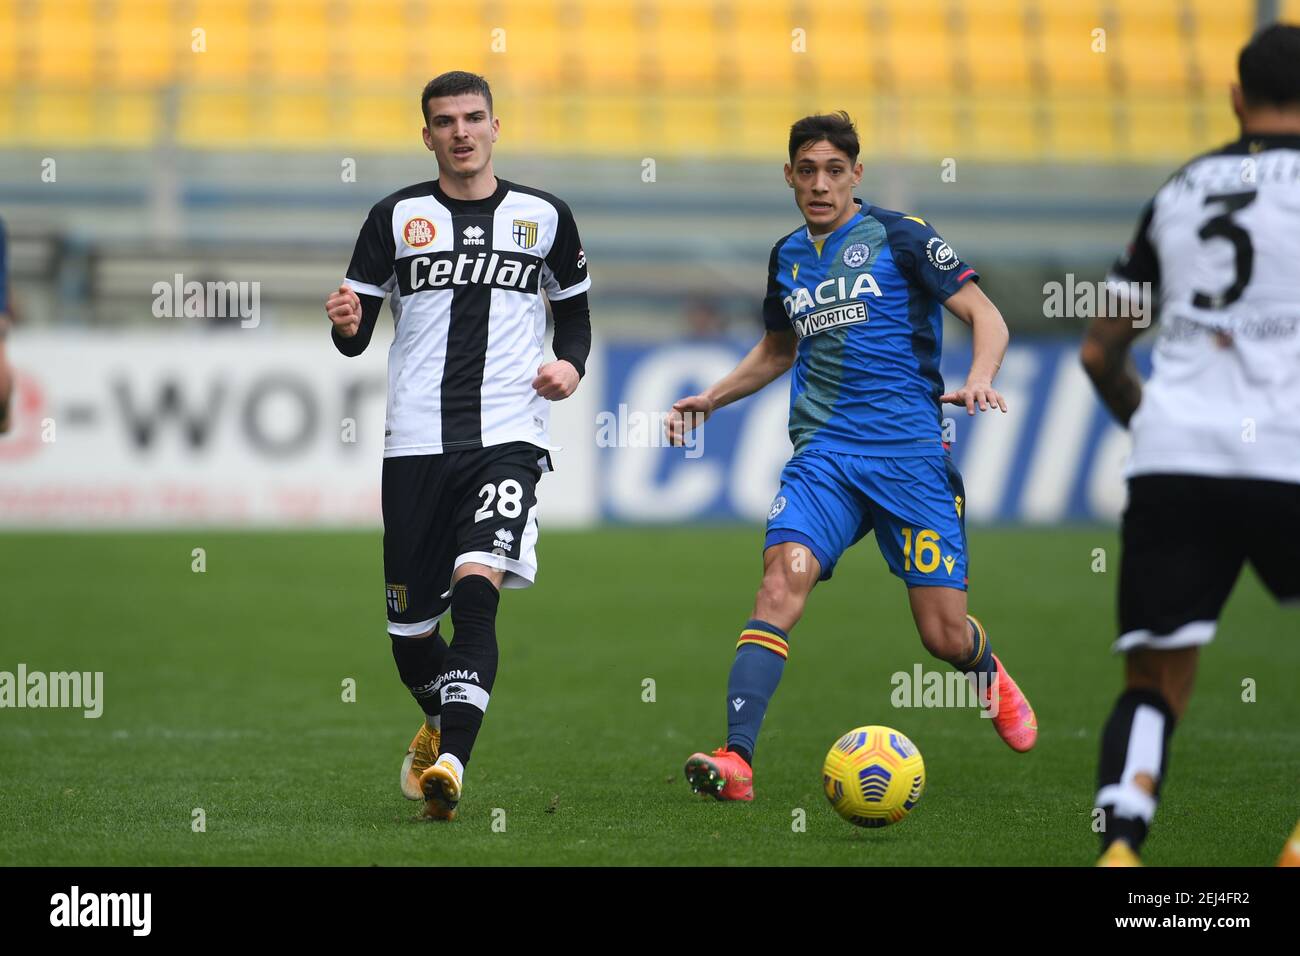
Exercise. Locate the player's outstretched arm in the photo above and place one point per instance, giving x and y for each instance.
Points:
(353, 319)
(766, 362)
(990, 335)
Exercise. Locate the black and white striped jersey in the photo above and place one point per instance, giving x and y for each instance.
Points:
(464, 280)
(1219, 246)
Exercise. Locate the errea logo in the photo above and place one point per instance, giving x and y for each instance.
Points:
(473, 236)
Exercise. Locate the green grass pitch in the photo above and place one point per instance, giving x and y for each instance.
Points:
(223, 691)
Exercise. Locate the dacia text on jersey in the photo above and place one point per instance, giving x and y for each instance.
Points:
(836, 294)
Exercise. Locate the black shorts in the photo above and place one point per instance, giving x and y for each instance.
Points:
(442, 511)
(1185, 540)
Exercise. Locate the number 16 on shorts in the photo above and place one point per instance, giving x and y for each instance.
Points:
(929, 560)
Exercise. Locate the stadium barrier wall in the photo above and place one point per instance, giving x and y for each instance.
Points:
(253, 428)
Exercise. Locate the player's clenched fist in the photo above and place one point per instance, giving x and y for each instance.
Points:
(687, 414)
(556, 380)
(344, 309)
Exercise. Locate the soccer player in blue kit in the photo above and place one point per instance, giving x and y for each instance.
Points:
(853, 304)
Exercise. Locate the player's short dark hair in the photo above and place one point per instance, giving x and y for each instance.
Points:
(1269, 67)
(835, 128)
(454, 83)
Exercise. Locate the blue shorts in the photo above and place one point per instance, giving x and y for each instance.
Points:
(916, 506)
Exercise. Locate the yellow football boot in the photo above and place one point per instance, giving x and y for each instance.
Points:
(440, 785)
(419, 758)
(1119, 853)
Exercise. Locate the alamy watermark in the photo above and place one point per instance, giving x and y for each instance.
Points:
(625, 428)
(210, 299)
(1072, 299)
(78, 690)
(922, 688)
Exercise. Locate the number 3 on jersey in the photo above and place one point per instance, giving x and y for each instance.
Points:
(508, 496)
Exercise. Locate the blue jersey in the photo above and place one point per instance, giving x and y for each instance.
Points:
(865, 303)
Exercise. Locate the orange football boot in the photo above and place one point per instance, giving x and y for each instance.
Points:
(722, 775)
(1291, 852)
(1014, 719)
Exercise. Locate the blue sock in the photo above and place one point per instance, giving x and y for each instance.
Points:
(760, 659)
(981, 656)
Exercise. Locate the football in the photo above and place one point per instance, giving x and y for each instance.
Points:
(873, 776)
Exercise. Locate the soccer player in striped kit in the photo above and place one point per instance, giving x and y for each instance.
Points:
(464, 261)
(1214, 476)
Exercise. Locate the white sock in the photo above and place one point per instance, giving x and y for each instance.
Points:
(451, 761)
(433, 723)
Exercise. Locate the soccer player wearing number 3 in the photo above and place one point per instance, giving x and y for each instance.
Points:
(464, 261)
(853, 304)
(1214, 477)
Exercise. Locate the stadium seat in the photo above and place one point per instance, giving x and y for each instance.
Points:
(11, 50)
(843, 49)
(1084, 128)
(1221, 28)
(921, 47)
(608, 45)
(994, 45)
(757, 45)
(63, 42)
(296, 42)
(1151, 45)
(1070, 46)
(228, 42)
(683, 38)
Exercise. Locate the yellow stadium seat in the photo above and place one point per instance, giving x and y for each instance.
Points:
(375, 48)
(379, 119)
(1084, 128)
(842, 47)
(211, 120)
(614, 124)
(63, 118)
(1001, 127)
(293, 119)
(760, 45)
(758, 126)
(689, 126)
(608, 45)
(1162, 128)
(435, 41)
(62, 37)
(143, 43)
(296, 37)
(1076, 56)
(226, 42)
(130, 119)
(921, 46)
(533, 50)
(1222, 28)
(995, 46)
(11, 50)
(683, 43)
(1153, 51)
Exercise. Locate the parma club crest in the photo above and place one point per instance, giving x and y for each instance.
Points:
(525, 233)
(396, 597)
